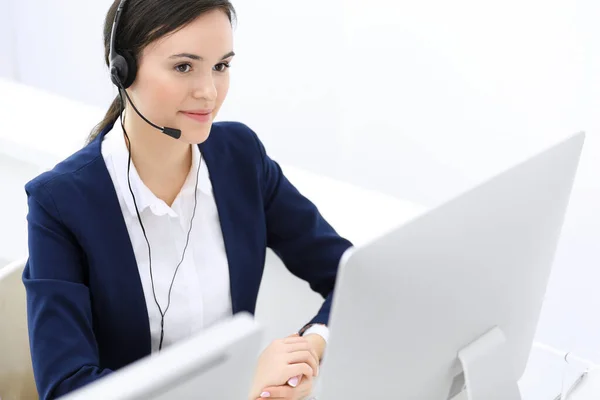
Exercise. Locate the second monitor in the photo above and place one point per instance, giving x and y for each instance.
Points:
(217, 363)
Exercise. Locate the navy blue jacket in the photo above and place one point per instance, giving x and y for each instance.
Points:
(86, 310)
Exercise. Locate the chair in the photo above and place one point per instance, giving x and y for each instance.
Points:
(16, 372)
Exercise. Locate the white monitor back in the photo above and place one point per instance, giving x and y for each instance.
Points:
(407, 303)
(215, 364)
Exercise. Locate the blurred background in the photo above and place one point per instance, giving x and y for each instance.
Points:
(418, 100)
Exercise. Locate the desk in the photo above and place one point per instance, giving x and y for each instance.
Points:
(542, 379)
(56, 129)
(589, 389)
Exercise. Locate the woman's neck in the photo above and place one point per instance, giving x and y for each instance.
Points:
(163, 163)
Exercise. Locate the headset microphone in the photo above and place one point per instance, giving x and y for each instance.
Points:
(174, 133)
(123, 69)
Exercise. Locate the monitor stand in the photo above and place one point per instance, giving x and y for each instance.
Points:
(486, 368)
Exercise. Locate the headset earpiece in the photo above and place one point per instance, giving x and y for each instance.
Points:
(123, 69)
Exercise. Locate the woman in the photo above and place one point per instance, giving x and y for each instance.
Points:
(142, 238)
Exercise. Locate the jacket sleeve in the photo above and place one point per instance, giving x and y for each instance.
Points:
(306, 243)
(63, 347)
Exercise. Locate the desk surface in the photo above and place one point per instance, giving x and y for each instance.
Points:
(56, 129)
(589, 388)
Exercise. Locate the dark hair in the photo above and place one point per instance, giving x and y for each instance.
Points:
(144, 21)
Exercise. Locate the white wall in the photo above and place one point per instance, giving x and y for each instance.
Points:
(59, 48)
(465, 88)
(13, 224)
(453, 90)
(418, 99)
(467, 83)
(7, 40)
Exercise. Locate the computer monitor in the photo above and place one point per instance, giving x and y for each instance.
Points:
(450, 300)
(217, 363)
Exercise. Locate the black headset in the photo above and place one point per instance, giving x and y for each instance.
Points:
(123, 69)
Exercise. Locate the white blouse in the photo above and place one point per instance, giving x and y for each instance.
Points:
(200, 296)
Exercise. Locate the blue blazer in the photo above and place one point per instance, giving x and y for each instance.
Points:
(86, 310)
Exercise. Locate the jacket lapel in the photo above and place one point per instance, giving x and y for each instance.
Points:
(236, 217)
(120, 276)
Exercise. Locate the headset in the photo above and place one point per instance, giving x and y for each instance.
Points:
(123, 69)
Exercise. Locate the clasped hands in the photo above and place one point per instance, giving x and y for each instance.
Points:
(286, 368)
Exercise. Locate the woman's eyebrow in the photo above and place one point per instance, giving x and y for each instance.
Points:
(197, 57)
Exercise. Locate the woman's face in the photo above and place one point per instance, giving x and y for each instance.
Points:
(183, 78)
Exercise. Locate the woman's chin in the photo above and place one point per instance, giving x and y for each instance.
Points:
(197, 135)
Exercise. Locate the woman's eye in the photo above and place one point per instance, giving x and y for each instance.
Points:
(183, 68)
(222, 67)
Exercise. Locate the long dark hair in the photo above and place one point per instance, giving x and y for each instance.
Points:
(143, 22)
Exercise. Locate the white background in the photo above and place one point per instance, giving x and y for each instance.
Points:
(417, 99)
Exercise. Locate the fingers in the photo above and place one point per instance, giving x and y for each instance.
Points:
(299, 343)
(316, 358)
(305, 356)
(304, 350)
(294, 339)
(293, 370)
(303, 347)
(277, 392)
(298, 346)
(287, 392)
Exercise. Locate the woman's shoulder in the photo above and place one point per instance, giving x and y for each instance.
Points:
(235, 127)
(233, 134)
(67, 172)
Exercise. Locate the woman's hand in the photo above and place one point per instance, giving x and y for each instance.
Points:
(283, 360)
(317, 343)
(299, 387)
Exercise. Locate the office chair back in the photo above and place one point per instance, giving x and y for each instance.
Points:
(16, 372)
